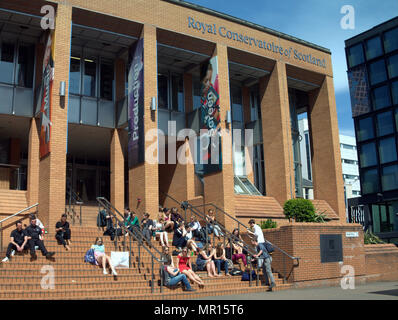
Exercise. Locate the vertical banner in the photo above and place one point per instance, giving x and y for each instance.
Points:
(210, 133)
(45, 110)
(136, 144)
(358, 83)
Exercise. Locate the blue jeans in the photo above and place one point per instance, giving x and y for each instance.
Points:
(267, 271)
(181, 277)
(221, 264)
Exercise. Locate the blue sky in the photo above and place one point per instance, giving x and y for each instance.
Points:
(318, 22)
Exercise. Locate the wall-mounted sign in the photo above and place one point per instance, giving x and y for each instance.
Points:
(352, 234)
(270, 46)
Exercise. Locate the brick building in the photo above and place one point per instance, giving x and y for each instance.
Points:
(266, 79)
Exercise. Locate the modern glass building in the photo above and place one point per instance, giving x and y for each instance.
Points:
(372, 59)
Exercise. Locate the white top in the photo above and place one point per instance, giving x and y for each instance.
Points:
(189, 235)
(39, 223)
(196, 226)
(259, 233)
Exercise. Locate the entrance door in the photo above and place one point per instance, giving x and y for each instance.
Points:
(86, 181)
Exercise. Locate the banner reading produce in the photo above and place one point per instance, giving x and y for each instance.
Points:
(136, 152)
(45, 110)
(210, 155)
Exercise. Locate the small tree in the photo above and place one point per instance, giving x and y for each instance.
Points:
(302, 210)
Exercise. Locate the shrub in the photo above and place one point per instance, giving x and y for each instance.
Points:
(269, 224)
(302, 210)
(370, 238)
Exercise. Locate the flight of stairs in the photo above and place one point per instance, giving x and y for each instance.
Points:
(21, 279)
(12, 201)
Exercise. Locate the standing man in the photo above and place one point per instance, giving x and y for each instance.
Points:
(63, 233)
(264, 260)
(35, 238)
(18, 241)
(257, 232)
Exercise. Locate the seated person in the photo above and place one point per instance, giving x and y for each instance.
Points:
(147, 227)
(173, 276)
(179, 240)
(220, 260)
(160, 230)
(168, 223)
(101, 259)
(35, 238)
(63, 233)
(237, 248)
(196, 228)
(132, 222)
(18, 240)
(212, 225)
(185, 267)
(204, 261)
(175, 216)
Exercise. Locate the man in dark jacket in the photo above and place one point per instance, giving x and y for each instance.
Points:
(35, 238)
(63, 234)
(17, 242)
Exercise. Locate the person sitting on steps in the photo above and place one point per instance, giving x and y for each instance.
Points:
(101, 259)
(147, 229)
(220, 260)
(185, 267)
(63, 233)
(174, 276)
(18, 240)
(204, 261)
(35, 238)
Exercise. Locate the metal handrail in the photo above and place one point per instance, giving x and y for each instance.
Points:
(72, 195)
(138, 236)
(12, 216)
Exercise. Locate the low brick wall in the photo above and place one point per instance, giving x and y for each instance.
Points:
(381, 262)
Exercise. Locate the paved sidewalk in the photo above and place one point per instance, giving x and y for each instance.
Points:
(372, 291)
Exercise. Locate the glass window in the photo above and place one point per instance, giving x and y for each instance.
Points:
(384, 124)
(376, 218)
(370, 181)
(162, 91)
(177, 93)
(196, 93)
(391, 40)
(89, 79)
(74, 77)
(368, 155)
(106, 81)
(365, 130)
(377, 72)
(389, 178)
(373, 48)
(387, 150)
(355, 55)
(7, 62)
(394, 92)
(25, 66)
(381, 97)
(237, 109)
(392, 66)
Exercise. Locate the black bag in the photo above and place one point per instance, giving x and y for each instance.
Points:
(236, 272)
(270, 248)
(194, 267)
(246, 276)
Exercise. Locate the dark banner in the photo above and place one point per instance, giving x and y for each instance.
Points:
(136, 144)
(45, 110)
(357, 79)
(210, 138)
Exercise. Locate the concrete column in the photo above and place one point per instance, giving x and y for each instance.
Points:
(33, 164)
(144, 178)
(277, 137)
(325, 151)
(53, 166)
(219, 187)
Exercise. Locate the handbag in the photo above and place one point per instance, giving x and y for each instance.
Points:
(120, 259)
(269, 247)
(89, 256)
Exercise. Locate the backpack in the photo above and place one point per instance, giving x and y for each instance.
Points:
(270, 248)
(246, 276)
(89, 256)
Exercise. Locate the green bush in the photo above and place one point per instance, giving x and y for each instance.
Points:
(302, 210)
(370, 238)
(269, 224)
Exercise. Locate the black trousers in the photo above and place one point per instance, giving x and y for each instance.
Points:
(12, 247)
(36, 242)
(147, 234)
(62, 236)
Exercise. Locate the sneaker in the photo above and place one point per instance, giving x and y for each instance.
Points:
(190, 290)
(105, 272)
(5, 259)
(114, 272)
(49, 254)
(33, 256)
(12, 253)
(271, 286)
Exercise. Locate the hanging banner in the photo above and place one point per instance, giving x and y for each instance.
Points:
(210, 136)
(136, 144)
(358, 83)
(45, 110)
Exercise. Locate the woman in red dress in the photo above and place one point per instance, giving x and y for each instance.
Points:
(185, 267)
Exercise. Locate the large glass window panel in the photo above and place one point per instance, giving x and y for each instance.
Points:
(196, 93)
(392, 66)
(6, 94)
(377, 72)
(89, 111)
(394, 92)
(367, 155)
(106, 81)
(381, 97)
(163, 119)
(355, 55)
(376, 218)
(373, 48)
(106, 114)
(389, 178)
(387, 150)
(7, 62)
(237, 109)
(74, 109)
(163, 91)
(23, 105)
(391, 40)
(384, 124)
(370, 181)
(25, 66)
(365, 130)
(89, 78)
(74, 77)
(177, 93)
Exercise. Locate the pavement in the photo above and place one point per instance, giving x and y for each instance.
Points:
(370, 291)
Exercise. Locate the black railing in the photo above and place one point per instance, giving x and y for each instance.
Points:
(138, 236)
(72, 201)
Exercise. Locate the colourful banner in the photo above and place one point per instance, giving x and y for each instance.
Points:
(210, 118)
(45, 110)
(136, 144)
